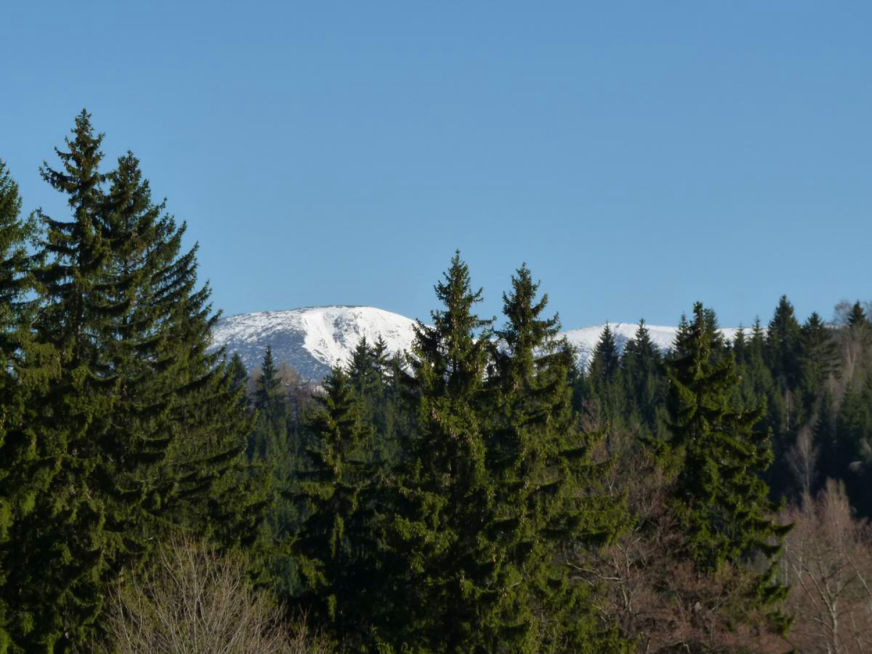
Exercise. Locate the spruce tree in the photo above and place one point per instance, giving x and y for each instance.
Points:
(334, 550)
(641, 368)
(819, 360)
(27, 462)
(783, 345)
(239, 374)
(67, 559)
(719, 496)
(546, 498)
(857, 317)
(445, 487)
(270, 439)
(268, 385)
(370, 375)
(145, 423)
(604, 382)
(169, 394)
(605, 361)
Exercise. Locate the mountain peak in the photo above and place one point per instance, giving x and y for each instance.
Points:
(314, 339)
(311, 339)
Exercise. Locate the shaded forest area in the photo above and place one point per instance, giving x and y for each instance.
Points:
(481, 493)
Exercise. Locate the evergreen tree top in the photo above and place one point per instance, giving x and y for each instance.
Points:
(525, 328)
(80, 177)
(454, 347)
(857, 317)
(783, 324)
(641, 348)
(10, 202)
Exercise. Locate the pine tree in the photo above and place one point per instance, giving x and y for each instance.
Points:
(783, 344)
(605, 384)
(178, 414)
(27, 463)
(369, 373)
(146, 424)
(67, 565)
(719, 496)
(333, 548)
(605, 361)
(363, 369)
(445, 487)
(546, 497)
(271, 438)
(819, 360)
(239, 374)
(274, 448)
(268, 385)
(857, 317)
(641, 368)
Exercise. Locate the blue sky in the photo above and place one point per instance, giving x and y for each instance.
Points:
(638, 156)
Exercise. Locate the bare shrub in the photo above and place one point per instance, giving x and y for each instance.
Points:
(828, 563)
(197, 602)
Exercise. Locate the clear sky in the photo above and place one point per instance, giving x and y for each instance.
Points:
(638, 156)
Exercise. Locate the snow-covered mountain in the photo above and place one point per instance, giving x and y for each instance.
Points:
(316, 338)
(586, 338)
(313, 339)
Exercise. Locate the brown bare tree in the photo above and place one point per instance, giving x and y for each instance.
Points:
(828, 564)
(196, 602)
(658, 598)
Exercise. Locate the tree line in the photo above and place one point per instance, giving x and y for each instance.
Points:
(481, 493)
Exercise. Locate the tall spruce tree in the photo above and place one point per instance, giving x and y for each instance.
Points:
(145, 423)
(819, 360)
(268, 385)
(783, 345)
(370, 375)
(27, 462)
(719, 496)
(176, 402)
(445, 486)
(605, 361)
(546, 499)
(604, 382)
(270, 439)
(65, 540)
(274, 447)
(641, 368)
(334, 548)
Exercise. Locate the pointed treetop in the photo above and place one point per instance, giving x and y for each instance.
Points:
(81, 176)
(525, 328)
(857, 317)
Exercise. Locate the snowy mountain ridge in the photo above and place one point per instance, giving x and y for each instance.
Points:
(314, 339)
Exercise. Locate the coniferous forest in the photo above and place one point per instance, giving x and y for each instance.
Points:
(481, 493)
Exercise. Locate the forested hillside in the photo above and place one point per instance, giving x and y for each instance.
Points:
(481, 492)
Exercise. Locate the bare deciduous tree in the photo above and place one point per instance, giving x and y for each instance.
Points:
(828, 564)
(196, 602)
